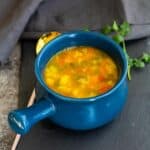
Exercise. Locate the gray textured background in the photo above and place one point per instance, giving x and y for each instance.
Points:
(37, 16)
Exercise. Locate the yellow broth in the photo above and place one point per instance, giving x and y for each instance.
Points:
(81, 72)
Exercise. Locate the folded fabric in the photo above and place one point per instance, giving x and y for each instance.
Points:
(69, 15)
(65, 15)
(14, 15)
(137, 11)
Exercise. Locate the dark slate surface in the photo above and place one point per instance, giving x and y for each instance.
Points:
(27, 76)
(130, 131)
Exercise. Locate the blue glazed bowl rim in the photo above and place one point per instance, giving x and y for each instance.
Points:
(81, 100)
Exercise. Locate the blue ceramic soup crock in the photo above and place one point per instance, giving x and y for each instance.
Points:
(73, 113)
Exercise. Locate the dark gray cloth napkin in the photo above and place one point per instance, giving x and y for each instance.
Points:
(17, 17)
(14, 15)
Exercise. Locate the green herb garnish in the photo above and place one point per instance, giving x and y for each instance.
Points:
(118, 33)
(86, 29)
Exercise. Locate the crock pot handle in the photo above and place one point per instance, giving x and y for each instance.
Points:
(22, 120)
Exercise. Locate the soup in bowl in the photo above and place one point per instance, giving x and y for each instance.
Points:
(83, 75)
(81, 72)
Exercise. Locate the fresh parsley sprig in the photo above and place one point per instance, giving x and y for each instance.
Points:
(118, 34)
